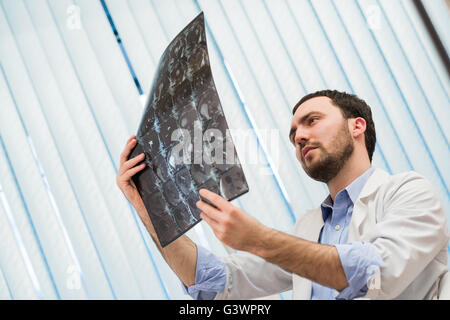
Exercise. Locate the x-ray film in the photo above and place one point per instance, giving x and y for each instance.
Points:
(185, 137)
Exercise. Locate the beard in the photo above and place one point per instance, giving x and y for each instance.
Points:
(328, 164)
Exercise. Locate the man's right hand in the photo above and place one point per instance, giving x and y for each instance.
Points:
(127, 170)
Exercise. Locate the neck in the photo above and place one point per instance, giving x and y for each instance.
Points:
(353, 168)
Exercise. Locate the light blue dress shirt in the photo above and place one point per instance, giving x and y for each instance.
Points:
(359, 260)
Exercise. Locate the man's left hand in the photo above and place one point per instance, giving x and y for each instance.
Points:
(231, 225)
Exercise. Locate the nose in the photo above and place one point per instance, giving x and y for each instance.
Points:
(301, 136)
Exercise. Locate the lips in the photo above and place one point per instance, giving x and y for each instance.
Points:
(306, 150)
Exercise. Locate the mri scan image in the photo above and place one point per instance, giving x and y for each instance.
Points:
(184, 135)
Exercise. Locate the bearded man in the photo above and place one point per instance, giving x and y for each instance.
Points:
(375, 236)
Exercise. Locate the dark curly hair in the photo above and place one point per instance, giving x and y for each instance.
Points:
(351, 107)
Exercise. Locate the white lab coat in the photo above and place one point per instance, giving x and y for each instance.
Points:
(401, 215)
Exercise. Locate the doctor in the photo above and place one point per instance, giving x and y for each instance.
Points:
(375, 236)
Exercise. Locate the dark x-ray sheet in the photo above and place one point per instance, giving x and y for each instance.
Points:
(183, 109)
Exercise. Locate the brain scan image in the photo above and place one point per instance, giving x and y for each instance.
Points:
(167, 130)
(188, 116)
(146, 181)
(163, 109)
(228, 158)
(149, 122)
(202, 81)
(200, 172)
(182, 93)
(182, 219)
(216, 129)
(183, 180)
(176, 158)
(195, 34)
(178, 73)
(232, 182)
(171, 192)
(184, 135)
(161, 87)
(207, 106)
(188, 120)
(191, 200)
(198, 58)
(157, 203)
(177, 50)
(151, 142)
(160, 167)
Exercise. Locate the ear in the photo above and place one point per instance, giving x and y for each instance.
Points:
(357, 127)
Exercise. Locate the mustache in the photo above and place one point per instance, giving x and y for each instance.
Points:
(302, 145)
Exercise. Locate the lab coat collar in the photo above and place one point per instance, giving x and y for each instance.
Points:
(376, 180)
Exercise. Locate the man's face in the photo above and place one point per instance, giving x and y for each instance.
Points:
(321, 138)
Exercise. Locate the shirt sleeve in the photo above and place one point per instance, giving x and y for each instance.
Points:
(361, 261)
(210, 276)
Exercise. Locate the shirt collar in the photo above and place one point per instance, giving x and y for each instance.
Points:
(353, 190)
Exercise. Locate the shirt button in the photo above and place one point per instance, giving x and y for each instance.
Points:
(337, 227)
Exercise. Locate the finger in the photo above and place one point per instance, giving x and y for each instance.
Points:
(213, 224)
(133, 161)
(215, 199)
(126, 151)
(212, 212)
(128, 147)
(131, 172)
(131, 138)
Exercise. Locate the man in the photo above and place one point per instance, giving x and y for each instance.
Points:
(375, 236)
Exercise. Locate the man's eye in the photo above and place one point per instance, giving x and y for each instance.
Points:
(311, 120)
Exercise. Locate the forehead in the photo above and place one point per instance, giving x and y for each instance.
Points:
(320, 104)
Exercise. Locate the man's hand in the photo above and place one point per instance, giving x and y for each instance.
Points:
(181, 255)
(235, 228)
(128, 169)
(231, 225)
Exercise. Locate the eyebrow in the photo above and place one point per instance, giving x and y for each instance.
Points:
(302, 120)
